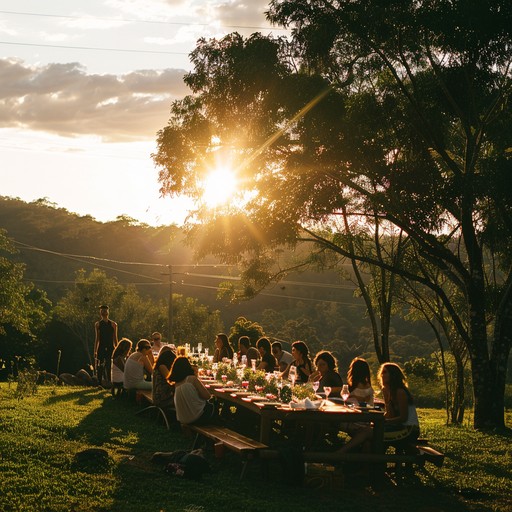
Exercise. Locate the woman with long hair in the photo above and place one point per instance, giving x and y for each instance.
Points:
(360, 382)
(401, 418)
(191, 398)
(163, 391)
(119, 356)
(222, 348)
(268, 361)
(135, 365)
(327, 373)
(301, 361)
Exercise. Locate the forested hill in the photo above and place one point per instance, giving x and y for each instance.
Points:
(42, 225)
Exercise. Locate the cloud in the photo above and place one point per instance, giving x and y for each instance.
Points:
(65, 100)
(238, 13)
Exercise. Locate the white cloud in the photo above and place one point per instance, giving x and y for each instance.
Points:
(65, 100)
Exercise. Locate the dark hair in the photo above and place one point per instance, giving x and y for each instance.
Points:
(264, 343)
(103, 306)
(303, 349)
(245, 341)
(123, 346)
(225, 344)
(326, 356)
(277, 344)
(358, 373)
(397, 379)
(181, 369)
(141, 344)
(166, 356)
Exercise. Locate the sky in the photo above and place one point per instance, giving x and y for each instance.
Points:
(86, 85)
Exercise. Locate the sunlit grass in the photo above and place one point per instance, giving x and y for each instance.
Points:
(40, 435)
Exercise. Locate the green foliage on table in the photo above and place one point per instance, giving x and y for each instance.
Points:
(286, 394)
(301, 392)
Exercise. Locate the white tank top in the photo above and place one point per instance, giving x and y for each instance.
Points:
(189, 405)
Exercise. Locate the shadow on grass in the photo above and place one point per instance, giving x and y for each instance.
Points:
(82, 396)
(131, 439)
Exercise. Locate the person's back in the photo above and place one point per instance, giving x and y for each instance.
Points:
(135, 366)
(189, 405)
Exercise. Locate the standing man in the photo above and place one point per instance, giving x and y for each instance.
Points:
(104, 345)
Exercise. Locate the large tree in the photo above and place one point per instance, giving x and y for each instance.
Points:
(398, 109)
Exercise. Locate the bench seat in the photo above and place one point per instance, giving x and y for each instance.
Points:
(244, 446)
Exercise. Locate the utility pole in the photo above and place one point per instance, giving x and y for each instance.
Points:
(170, 332)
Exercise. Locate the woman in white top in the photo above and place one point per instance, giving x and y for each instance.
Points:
(191, 398)
(119, 356)
(359, 382)
(135, 366)
(401, 418)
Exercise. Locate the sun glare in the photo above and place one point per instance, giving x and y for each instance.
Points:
(219, 187)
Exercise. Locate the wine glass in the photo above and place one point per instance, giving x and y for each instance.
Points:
(345, 393)
(224, 379)
(316, 385)
(327, 391)
(292, 375)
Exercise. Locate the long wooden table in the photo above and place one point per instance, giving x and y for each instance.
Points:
(331, 413)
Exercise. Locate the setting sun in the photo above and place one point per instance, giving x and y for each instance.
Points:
(219, 187)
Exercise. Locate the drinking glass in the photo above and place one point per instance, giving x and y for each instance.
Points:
(327, 390)
(292, 375)
(199, 347)
(345, 393)
(253, 364)
(316, 385)
(224, 378)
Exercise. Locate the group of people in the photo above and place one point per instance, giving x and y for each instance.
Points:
(174, 381)
(401, 419)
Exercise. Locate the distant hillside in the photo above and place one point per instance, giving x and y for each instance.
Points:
(67, 236)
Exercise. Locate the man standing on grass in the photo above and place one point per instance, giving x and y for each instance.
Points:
(104, 345)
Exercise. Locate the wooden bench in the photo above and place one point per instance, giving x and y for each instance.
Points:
(422, 453)
(145, 396)
(244, 446)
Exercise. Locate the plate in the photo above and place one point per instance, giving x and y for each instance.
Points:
(268, 405)
(226, 390)
(241, 394)
(255, 398)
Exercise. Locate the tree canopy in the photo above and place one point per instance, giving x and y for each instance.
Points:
(397, 111)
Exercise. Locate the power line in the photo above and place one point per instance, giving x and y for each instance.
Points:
(94, 48)
(128, 20)
(309, 299)
(83, 259)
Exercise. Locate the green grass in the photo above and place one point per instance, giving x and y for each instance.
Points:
(40, 435)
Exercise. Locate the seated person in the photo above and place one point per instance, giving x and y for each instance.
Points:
(326, 373)
(222, 348)
(245, 349)
(301, 362)
(156, 344)
(135, 366)
(119, 357)
(191, 398)
(163, 391)
(268, 362)
(283, 357)
(360, 382)
(401, 419)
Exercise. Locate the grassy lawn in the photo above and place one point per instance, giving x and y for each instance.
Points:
(40, 435)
